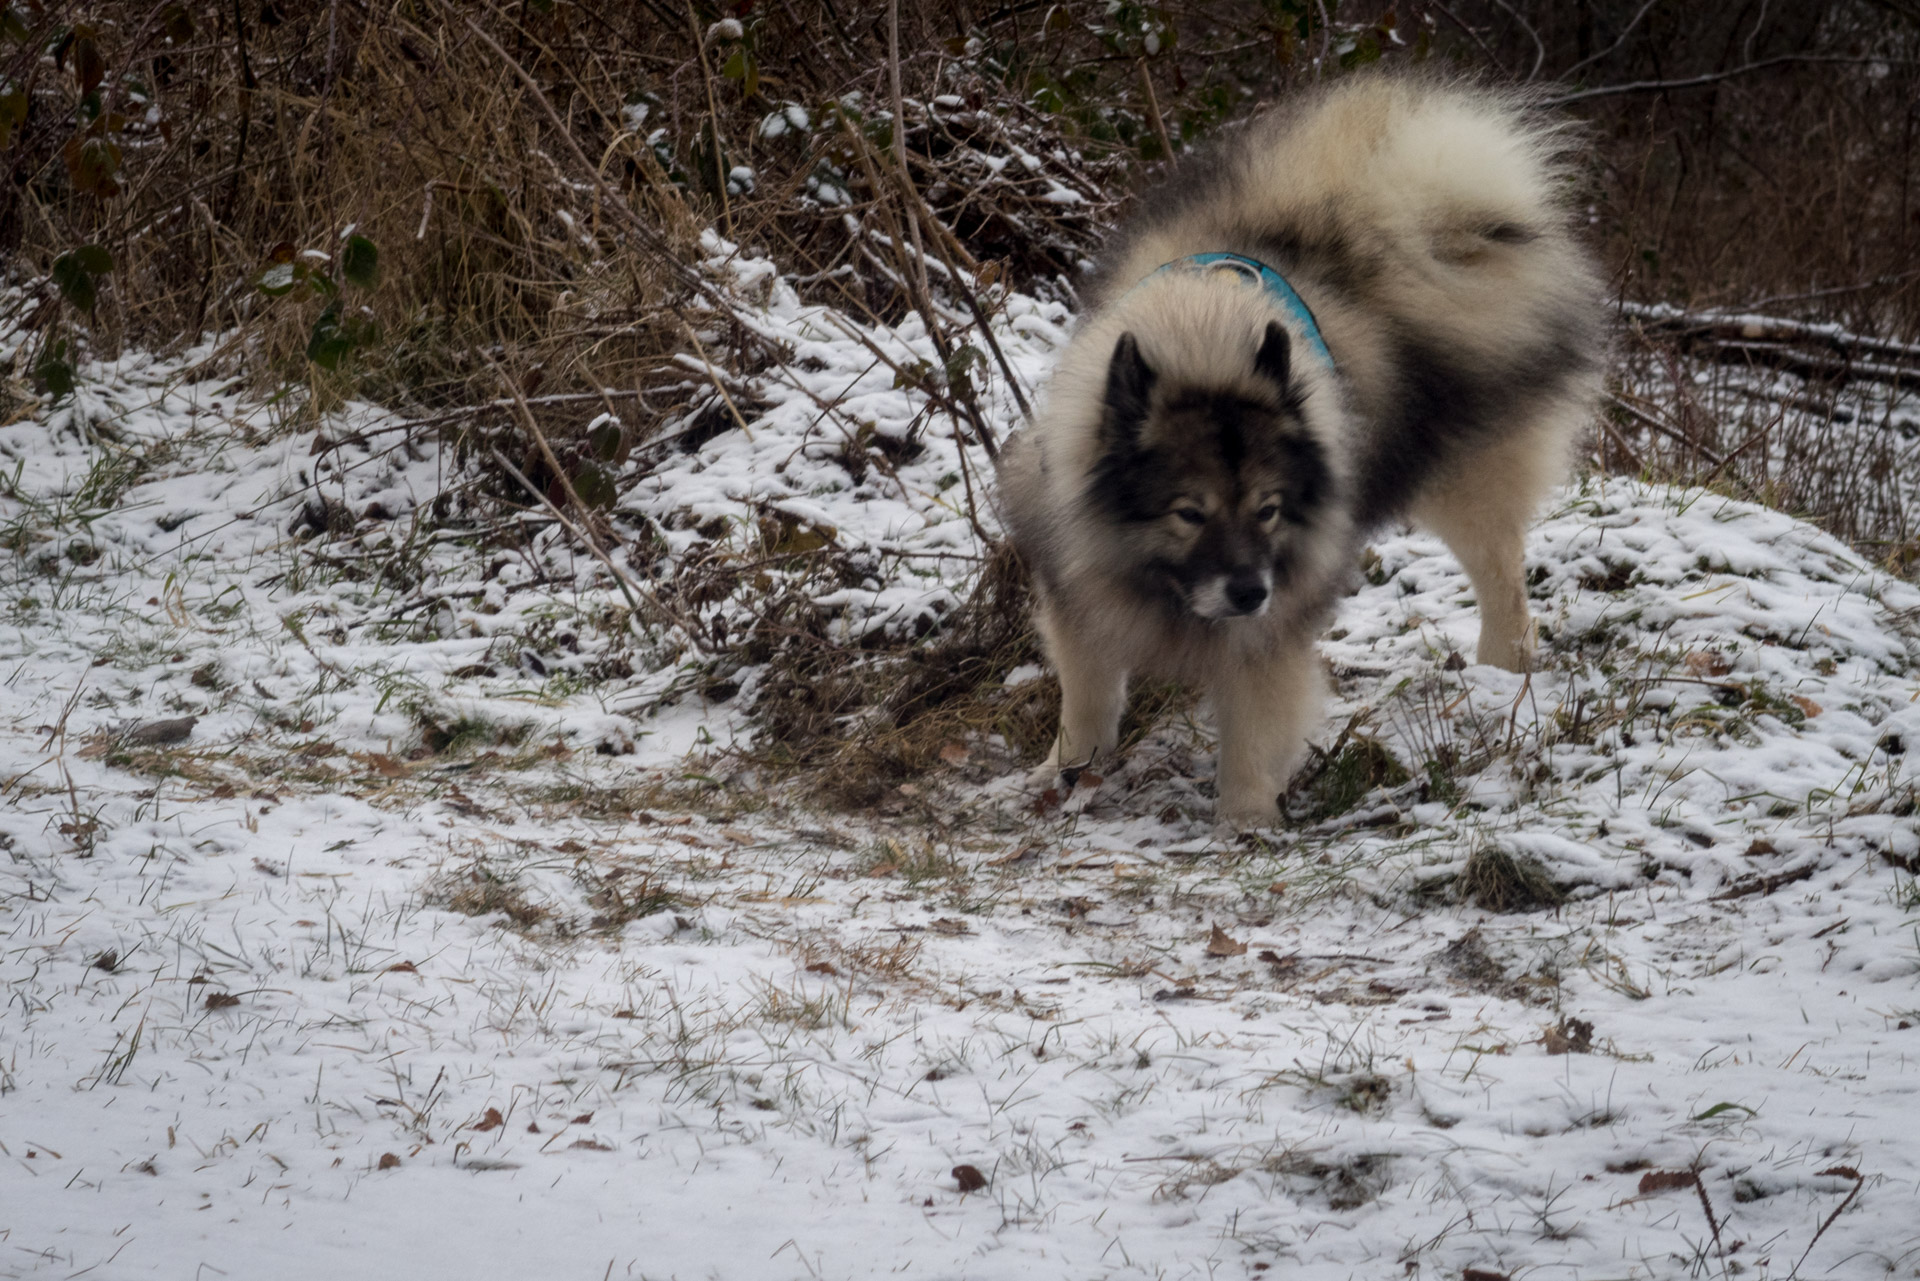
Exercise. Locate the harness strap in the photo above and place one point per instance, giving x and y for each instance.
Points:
(1250, 271)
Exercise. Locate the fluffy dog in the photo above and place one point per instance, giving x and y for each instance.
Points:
(1362, 308)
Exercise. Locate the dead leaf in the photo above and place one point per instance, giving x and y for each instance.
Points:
(1761, 846)
(591, 1145)
(1810, 708)
(737, 836)
(386, 766)
(389, 1161)
(954, 754)
(402, 967)
(1706, 662)
(1569, 1036)
(220, 1001)
(224, 792)
(585, 1118)
(1483, 1274)
(1222, 944)
(951, 925)
(491, 1121)
(1021, 855)
(822, 967)
(1454, 663)
(1278, 887)
(625, 1014)
(1665, 1180)
(969, 1178)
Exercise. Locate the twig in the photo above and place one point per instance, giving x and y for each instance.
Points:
(1842, 1172)
(713, 121)
(585, 535)
(1642, 416)
(1153, 109)
(1539, 46)
(1695, 82)
(1454, 18)
(1609, 50)
(713, 377)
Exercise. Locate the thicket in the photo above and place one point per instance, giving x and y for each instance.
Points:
(490, 216)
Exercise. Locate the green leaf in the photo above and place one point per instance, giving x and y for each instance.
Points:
(360, 263)
(1718, 1108)
(277, 280)
(74, 281)
(53, 373)
(94, 259)
(594, 486)
(608, 440)
(330, 342)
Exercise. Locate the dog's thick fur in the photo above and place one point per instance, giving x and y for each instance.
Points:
(1192, 495)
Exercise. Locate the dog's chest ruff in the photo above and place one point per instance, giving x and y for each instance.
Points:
(1238, 269)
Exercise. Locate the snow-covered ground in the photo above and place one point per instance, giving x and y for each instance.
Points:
(577, 994)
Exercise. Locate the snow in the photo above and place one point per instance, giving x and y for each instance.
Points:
(730, 1032)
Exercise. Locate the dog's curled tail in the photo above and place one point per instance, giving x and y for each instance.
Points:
(1460, 171)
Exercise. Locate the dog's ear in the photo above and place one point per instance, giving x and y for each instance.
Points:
(1275, 358)
(1129, 385)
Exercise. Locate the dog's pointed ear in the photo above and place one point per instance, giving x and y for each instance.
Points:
(1129, 385)
(1275, 358)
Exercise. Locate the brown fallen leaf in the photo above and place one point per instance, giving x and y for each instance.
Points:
(1222, 944)
(583, 1119)
(1483, 1274)
(591, 1145)
(1665, 1180)
(822, 967)
(386, 766)
(951, 925)
(402, 967)
(1807, 706)
(491, 1121)
(1761, 846)
(969, 1178)
(224, 792)
(389, 1160)
(1569, 1036)
(220, 1000)
(954, 754)
(1705, 662)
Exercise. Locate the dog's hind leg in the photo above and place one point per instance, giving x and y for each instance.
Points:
(1265, 706)
(1482, 510)
(1093, 694)
(1489, 537)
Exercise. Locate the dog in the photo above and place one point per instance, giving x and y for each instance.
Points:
(1365, 307)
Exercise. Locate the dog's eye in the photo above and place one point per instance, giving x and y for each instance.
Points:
(1192, 515)
(1267, 513)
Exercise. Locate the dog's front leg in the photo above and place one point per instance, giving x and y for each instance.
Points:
(1093, 694)
(1265, 706)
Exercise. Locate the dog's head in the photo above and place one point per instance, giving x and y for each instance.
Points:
(1213, 489)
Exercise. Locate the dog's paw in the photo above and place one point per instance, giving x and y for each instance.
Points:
(1509, 653)
(1253, 809)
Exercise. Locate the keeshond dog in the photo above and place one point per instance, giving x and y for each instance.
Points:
(1365, 307)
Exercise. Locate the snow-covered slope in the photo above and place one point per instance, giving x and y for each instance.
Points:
(290, 994)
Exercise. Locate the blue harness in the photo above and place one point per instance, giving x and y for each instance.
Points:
(1251, 271)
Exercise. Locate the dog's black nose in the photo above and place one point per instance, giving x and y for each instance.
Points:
(1246, 592)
